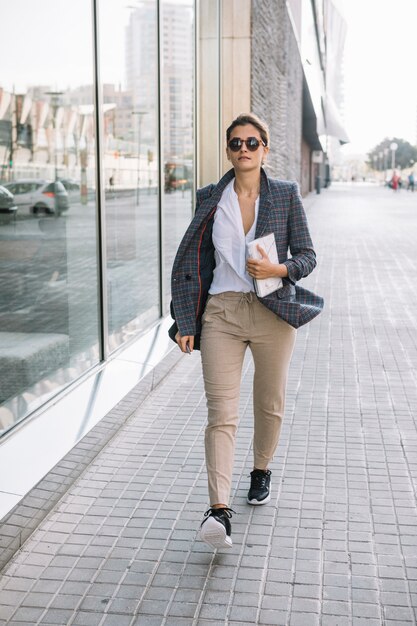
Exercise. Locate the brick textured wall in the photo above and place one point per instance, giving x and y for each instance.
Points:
(276, 82)
(306, 184)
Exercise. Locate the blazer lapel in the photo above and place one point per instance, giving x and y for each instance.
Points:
(264, 206)
(206, 207)
(213, 200)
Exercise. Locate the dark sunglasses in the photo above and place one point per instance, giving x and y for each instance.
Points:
(252, 144)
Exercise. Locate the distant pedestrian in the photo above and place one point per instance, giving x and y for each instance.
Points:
(395, 181)
(410, 182)
(214, 301)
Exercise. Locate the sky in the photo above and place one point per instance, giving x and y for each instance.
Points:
(380, 72)
(63, 58)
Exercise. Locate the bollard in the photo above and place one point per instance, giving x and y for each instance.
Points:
(318, 183)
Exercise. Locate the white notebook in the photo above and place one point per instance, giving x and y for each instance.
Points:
(265, 286)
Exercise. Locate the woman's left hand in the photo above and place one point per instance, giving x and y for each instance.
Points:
(263, 268)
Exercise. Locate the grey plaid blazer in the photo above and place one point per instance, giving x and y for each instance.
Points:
(281, 212)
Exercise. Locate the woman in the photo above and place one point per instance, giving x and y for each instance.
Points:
(216, 309)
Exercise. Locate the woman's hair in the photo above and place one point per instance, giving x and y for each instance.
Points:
(250, 118)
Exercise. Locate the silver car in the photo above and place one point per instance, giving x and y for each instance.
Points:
(7, 204)
(39, 196)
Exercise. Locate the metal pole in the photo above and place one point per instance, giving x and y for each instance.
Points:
(140, 114)
(102, 303)
(393, 148)
(55, 95)
(385, 163)
(138, 168)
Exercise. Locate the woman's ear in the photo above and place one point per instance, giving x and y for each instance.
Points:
(264, 158)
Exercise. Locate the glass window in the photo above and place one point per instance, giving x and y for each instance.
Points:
(129, 71)
(48, 265)
(177, 125)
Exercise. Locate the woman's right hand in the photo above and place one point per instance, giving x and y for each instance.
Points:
(185, 343)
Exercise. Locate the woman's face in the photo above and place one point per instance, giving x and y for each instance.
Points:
(245, 160)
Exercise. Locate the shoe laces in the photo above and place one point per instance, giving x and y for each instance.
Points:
(219, 511)
(260, 477)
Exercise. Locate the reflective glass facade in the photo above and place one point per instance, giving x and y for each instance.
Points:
(177, 124)
(130, 164)
(100, 91)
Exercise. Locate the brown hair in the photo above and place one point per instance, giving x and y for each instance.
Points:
(249, 118)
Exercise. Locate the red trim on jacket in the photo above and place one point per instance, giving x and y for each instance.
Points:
(198, 261)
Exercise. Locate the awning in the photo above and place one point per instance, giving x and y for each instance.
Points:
(315, 129)
(334, 124)
(310, 127)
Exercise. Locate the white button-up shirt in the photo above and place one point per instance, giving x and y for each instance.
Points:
(230, 241)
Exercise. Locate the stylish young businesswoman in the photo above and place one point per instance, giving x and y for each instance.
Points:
(216, 309)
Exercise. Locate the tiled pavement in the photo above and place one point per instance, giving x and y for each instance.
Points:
(336, 546)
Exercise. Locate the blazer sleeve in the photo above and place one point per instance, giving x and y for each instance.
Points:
(303, 257)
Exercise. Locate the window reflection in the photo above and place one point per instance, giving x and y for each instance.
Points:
(49, 307)
(131, 171)
(178, 138)
(48, 269)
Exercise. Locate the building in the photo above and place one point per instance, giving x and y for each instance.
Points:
(107, 125)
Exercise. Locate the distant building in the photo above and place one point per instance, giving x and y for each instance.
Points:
(177, 58)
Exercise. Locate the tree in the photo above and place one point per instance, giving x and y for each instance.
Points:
(380, 157)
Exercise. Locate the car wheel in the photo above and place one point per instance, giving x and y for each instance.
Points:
(39, 208)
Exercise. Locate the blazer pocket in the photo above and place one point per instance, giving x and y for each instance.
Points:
(287, 291)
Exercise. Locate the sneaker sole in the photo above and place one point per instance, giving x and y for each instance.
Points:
(259, 502)
(214, 534)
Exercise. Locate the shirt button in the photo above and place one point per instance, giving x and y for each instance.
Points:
(188, 277)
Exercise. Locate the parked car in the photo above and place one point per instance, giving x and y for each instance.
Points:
(39, 196)
(73, 188)
(7, 202)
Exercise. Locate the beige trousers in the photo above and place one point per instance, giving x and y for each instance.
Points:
(233, 321)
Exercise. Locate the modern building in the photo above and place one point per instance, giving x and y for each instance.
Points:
(111, 114)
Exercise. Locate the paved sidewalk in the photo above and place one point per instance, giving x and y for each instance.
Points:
(337, 545)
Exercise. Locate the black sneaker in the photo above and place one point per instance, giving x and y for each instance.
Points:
(216, 529)
(260, 485)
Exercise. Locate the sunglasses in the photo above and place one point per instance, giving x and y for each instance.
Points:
(252, 144)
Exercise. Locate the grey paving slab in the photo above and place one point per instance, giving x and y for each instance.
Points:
(336, 546)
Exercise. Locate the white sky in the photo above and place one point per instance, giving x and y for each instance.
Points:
(53, 42)
(380, 72)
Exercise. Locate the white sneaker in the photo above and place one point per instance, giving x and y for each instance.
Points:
(216, 529)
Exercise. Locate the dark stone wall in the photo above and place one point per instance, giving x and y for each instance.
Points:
(276, 81)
